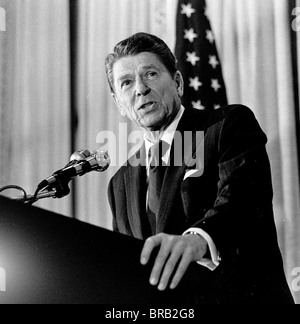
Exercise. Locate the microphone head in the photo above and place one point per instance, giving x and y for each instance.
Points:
(80, 155)
(103, 160)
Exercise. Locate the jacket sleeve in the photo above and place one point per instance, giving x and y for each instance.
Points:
(245, 192)
(112, 203)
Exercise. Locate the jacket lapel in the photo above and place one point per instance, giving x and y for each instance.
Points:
(175, 174)
(136, 189)
(171, 185)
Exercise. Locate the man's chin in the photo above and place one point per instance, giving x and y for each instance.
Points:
(153, 127)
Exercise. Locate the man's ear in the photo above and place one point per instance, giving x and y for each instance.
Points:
(122, 111)
(179, 83)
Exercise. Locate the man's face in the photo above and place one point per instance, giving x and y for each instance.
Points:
(145, 91)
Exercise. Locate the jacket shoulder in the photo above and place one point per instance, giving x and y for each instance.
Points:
(209, 118)
(232, 110)
(236, 110)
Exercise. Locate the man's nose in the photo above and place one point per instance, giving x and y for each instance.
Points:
(142, 89)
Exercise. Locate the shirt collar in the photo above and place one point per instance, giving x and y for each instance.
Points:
(168, 135)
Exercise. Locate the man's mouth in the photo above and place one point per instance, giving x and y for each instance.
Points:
(146, 105)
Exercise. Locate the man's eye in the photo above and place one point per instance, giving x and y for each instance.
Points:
(152, 75)
(125, 84)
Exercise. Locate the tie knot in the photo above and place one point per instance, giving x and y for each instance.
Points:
(157, 152)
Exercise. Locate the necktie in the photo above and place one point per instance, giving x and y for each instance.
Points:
(157, 171)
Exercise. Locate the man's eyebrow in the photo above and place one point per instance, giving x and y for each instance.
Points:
(151, 66)
(130, 75)
(124, 77)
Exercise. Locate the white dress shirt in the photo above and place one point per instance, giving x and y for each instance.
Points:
(168, 137)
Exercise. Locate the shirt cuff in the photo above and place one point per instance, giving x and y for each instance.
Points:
(215, 260)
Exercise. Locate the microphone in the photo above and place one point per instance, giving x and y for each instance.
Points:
(79, 156)
(81, 162)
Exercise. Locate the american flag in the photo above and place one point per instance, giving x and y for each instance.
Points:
(197, 57)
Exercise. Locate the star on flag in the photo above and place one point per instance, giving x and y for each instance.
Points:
(190, 35)
(187, 10)
(192, 58)
(198, 105)
(210, 36)
(215, 85)
(213, 61)
(195, 83)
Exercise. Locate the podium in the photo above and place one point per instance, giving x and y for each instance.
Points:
(47, 258)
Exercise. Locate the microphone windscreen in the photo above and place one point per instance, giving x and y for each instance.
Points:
(80, 155)
(103, 160)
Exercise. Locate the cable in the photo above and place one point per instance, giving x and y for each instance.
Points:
(16, 188)
(34, 198)
(40, 193)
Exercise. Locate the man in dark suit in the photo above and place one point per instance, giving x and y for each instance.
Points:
(216, 212)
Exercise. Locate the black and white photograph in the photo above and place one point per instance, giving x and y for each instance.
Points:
(150, 154)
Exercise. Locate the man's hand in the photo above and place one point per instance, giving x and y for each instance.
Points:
(175, 251)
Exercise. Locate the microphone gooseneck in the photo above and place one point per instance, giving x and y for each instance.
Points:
(81, 162)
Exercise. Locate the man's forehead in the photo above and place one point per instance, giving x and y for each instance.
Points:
(132, 63)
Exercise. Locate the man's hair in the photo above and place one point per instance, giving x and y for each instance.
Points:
(136, 44)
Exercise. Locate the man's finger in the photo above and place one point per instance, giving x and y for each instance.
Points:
(161, 259)
(170, 268)
(181, 270)
(149, 246)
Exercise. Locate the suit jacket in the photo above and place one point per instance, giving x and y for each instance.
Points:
(231, 200)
